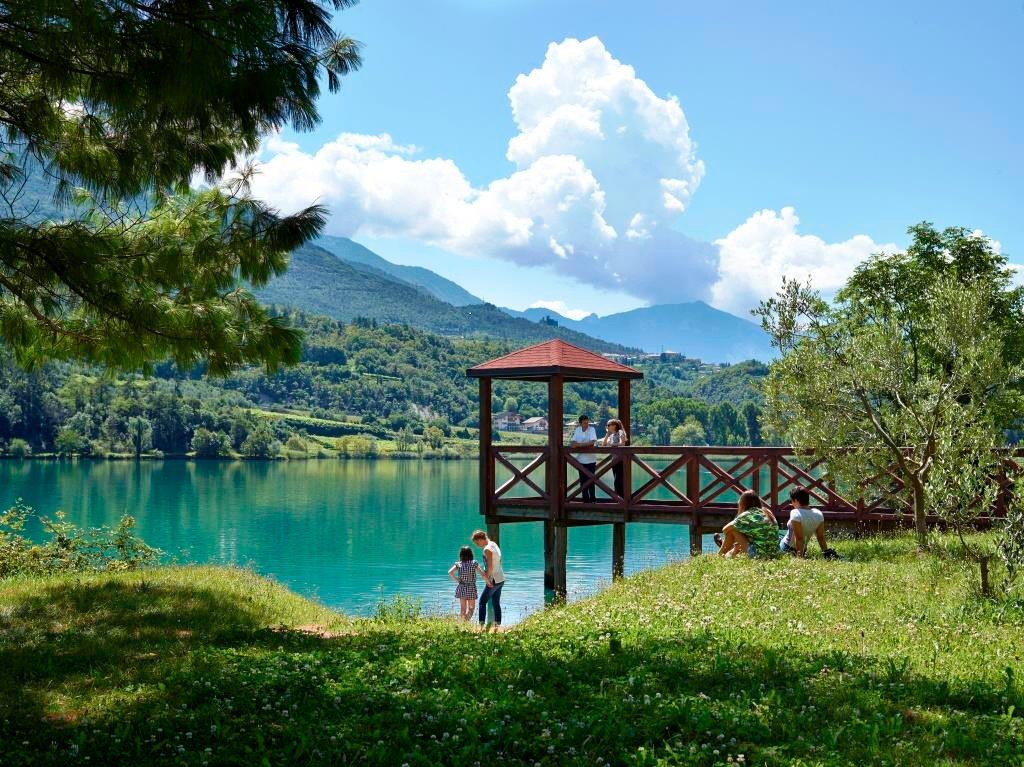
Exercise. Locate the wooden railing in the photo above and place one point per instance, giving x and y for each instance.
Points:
(683, 484)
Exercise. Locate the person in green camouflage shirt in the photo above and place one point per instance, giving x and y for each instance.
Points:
(754, 531)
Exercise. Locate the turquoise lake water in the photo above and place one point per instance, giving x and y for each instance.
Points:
(339, 531)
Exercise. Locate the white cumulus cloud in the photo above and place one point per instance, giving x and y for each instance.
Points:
(602, 167)
(756, 255)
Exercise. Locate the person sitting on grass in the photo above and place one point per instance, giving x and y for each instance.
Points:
(803, 523)
(754, 531)
(464, 573)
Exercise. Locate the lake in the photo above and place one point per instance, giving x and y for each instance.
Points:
(343, 532)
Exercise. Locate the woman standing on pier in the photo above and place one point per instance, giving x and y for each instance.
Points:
(615, 436)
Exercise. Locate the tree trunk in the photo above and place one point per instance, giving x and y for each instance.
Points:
(920, 514)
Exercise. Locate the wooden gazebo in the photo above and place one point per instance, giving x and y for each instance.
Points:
(556, 363)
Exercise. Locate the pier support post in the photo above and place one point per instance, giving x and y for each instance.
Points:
(618, 549)
(696, 539)
(561, 541)
(549, 555)
(494, 531)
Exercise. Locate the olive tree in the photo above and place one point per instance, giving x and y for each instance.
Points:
(905, 383)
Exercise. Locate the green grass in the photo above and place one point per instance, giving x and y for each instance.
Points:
(887, 658)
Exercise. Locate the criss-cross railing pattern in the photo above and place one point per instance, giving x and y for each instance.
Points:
(524, 476)
(691, 481)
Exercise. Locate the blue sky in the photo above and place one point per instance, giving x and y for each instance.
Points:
(863, 118)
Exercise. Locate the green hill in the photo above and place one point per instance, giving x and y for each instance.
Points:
(318, 282)
(434, 284)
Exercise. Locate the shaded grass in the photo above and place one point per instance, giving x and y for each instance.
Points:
(886, 658)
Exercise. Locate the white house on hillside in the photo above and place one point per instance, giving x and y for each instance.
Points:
(536, 425)
(508, 421)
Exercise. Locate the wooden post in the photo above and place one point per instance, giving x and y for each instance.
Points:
(696, 537)
(555, 437)
(693, 481)
(618, 549)
(627, 457)
(774, 469)
(556, 488)
(561, 545)
(486, 485)
(624, 405)
(693, 493)
(549, 555)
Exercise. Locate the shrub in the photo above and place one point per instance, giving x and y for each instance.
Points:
(69, 548)
(356, 447)
(209, 444)
(397, 608)
(261, 443)
(434, 437)
(70, 442)
(296, 444)
(19, 448)
(1010, 544)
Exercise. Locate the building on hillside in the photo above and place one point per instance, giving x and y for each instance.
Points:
(508, 421)
(536, 425)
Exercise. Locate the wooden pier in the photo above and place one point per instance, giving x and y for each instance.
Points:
(685, 485)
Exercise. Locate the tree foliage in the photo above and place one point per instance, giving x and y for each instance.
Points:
(115, 107)
(906, 382)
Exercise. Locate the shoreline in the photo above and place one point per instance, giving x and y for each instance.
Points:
(238, 458)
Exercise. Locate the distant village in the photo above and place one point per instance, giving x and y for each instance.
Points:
(676, 358)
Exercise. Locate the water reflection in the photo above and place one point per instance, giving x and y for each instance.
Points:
(336, 530)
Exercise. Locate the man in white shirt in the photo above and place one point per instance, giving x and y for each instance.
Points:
(803, 523)
(585, 435)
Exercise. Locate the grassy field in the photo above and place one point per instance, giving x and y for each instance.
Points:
(888, 658)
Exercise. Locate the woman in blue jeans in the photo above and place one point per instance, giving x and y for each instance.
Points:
(494, 576)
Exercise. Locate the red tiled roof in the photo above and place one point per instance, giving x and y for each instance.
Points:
(553, 357)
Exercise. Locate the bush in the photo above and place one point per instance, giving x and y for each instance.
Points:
(70, 442)
(356, 447)
(68, 548)
(210, 444)
(398, 608)
(296, 444)
(261, 443)
(19, 448)
(1010, 545)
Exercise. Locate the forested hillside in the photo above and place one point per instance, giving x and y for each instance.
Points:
(385, 387)
(319, 282)
(432, 282)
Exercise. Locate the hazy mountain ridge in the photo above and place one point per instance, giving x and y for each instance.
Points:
(694, 329)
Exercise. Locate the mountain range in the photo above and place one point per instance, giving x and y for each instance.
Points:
(320, 282)
(342, 279)
(694, 329)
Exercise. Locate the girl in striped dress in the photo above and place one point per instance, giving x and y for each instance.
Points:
(464, 573)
